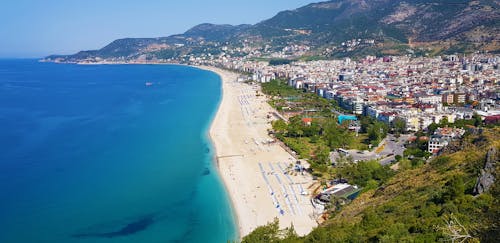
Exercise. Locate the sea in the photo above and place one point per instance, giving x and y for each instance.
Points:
(109, 153)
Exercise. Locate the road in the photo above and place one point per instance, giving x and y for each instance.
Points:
(392, 146)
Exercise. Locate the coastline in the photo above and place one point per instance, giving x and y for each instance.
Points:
(215, 158)
(256, 174)
(187, 204)
(252, 170)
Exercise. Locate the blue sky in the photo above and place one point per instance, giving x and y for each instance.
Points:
(36, 28)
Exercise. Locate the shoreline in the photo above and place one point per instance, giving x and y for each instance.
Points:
(215, 158)
(248, 164)
(210, 134)
(254, 170)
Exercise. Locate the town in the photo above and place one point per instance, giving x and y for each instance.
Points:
(418, 91)
(443, 96)
(355, 122)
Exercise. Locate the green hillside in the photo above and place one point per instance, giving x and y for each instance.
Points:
(435, 202)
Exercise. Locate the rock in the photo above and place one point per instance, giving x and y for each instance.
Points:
(487, 177)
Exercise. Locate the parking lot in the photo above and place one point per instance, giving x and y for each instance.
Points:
(392, 146)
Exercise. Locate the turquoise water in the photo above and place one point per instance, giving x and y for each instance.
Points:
(93, 154)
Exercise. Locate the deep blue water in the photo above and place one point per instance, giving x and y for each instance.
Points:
(89, 153)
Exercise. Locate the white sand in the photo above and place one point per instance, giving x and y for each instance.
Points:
(239, 132)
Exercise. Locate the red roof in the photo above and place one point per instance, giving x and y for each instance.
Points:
(492, 119)
(307, 120)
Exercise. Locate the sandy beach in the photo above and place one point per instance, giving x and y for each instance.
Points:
(257, 174)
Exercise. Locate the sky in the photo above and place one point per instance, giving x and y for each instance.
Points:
(37, 28)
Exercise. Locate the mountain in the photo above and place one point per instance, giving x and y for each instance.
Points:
(441, 25)
(418, 20)
(450, 24)
(212, 32)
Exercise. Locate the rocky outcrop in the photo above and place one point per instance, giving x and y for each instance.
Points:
(488, 173)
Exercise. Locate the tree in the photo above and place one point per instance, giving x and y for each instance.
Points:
(455, 231)
(365, 122)
(444, 121)
(347, 138)
(399, 126)
(289, 234)
(432, 128)
(404, 164)
(322, 155)
(332, 135)
(478, 121)
(266, 233)
(376, 132)
(454, 188)
(295, 127)
(280, 126)
(271, 233)
(336, 136)
(312, 130)
(373, 134)
(300, 132)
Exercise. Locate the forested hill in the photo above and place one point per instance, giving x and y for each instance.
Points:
(441, 25)
(451, 197)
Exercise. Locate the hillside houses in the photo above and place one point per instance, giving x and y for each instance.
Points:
(421, 91)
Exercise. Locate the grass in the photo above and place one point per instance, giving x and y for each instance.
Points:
(303, 146)
(359, 142)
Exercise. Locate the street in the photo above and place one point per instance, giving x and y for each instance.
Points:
(390, 147)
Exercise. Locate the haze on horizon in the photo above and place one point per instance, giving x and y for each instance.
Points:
(31, 28)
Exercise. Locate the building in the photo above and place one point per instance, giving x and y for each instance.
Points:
(459, 98)
(430, 99)
(436, 143)
(412, 123)
(492, 119)
(329, 95)
(355, 105)
(342, 192)
(346, 76)
(387, 117)
(448, 98)
(343, 118)
(372, 112)
(449, 133)
(442, 137)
